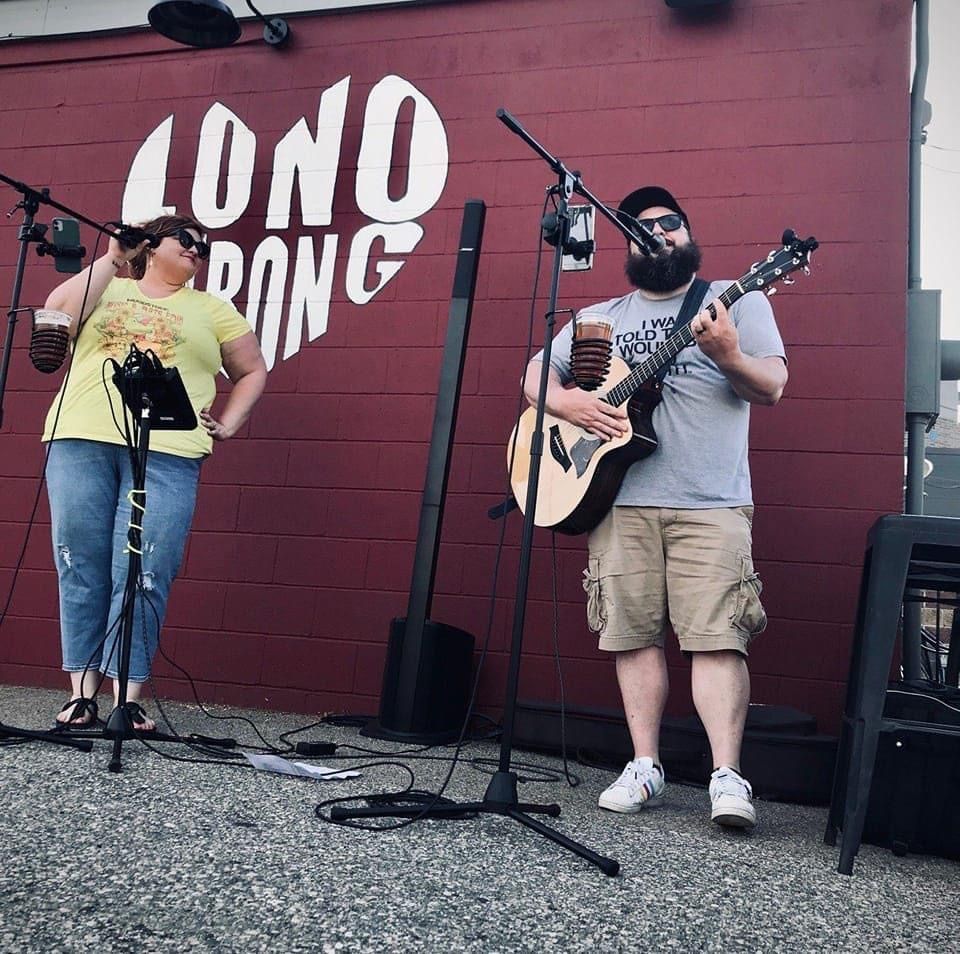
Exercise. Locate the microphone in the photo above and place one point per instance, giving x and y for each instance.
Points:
(50, 338)
(651, 242)
(130, 236)
(591, 349)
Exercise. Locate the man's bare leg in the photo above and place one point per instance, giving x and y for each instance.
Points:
(642, 675)
(721, 693)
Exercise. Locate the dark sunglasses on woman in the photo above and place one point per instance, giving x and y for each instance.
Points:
(188, 241)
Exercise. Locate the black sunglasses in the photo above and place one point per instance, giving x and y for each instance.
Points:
(188, 241)
(669, 222)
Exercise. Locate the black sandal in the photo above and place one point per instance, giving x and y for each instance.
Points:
(138, 716)
(81, 707)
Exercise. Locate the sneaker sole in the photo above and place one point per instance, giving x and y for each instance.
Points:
(630, 809)
(731, 818)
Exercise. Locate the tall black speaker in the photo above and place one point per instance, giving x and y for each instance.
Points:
(426, 679)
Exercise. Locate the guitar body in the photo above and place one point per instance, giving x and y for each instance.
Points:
(580, 475)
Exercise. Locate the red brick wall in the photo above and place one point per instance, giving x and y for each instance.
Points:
(776, 114)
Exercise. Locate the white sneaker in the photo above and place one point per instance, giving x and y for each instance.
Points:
(731, 799)
(640, 785)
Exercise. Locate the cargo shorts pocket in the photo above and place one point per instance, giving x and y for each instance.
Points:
(749, 615)
(593, 587)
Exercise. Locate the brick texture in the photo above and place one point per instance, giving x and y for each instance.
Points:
(303, 542)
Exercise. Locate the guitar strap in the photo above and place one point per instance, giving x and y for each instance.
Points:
(690, 306)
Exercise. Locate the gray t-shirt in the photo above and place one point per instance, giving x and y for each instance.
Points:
(701, 423)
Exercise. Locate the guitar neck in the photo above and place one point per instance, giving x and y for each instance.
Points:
(671, 347)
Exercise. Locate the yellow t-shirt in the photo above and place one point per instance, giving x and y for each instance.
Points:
(185, 330)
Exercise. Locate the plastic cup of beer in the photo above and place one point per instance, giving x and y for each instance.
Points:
(591, 349)
(593, 326)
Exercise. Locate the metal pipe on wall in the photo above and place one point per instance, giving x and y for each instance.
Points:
(918, 107)
(916, 424)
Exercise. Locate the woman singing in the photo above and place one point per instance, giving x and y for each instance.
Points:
(89, 471)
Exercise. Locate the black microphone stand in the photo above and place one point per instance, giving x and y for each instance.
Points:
(119, 724)
(157, 398)
(29, 232)
(501, 794)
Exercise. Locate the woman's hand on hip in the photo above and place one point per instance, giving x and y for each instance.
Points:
(218, 431)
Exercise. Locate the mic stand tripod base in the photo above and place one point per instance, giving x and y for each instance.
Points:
(500, 799)
(51, 735)
(119, 725)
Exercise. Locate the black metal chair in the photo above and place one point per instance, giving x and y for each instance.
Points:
(905, 554)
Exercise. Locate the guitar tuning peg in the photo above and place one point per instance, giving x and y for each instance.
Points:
(806, 269)
(771, 291)
(789, 281)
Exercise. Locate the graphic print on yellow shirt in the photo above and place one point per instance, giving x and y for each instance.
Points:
(145, 324)
(185, 330)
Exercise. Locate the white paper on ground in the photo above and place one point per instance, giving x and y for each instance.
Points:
(273, 763)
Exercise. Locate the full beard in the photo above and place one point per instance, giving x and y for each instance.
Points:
(667, 270)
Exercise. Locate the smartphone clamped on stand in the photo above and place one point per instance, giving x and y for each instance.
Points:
(579, 250)
(66, 250)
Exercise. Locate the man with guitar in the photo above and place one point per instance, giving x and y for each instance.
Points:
(676, 544)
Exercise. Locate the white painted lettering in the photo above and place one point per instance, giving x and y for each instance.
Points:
(314, 160)
(429, 159)
(311, 292)
(225, 270)
(243, 147)
(397, 240)
(147, 180)
(270, 252)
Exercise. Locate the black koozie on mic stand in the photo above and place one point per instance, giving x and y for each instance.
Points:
(590, 361)
(48, 348)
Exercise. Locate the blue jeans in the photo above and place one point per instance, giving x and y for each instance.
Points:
(87, 484)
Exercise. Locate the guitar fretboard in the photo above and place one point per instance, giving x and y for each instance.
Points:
(671, 347)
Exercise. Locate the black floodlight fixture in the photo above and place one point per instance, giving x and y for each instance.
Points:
(209, 23)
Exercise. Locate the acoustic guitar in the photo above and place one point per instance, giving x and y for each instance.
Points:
(580, 474)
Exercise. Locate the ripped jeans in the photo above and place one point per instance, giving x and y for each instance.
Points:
(87, 485)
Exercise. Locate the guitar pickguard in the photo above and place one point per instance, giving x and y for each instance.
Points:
(577, 457)
(583, 451)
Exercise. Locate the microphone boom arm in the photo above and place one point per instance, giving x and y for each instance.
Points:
(36, 198)
(641, 236)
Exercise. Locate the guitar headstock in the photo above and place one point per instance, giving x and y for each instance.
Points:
(794, 254)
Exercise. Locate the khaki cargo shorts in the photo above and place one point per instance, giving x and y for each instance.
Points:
(648, 565)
